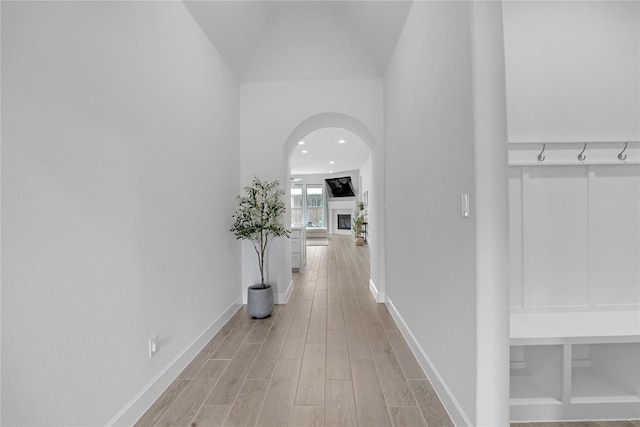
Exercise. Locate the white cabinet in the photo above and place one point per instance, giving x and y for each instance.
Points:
(298, 248)
(575, 365)
(574, 274)
(574, 245)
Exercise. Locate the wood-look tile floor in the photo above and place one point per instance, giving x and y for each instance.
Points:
(331, 356)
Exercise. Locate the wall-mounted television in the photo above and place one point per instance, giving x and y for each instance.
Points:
(340, 187)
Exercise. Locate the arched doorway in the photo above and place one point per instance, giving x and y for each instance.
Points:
(376, 196)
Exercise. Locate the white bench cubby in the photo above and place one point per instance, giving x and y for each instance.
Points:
(575, 366)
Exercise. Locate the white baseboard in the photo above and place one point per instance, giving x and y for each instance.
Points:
(377, 295)
(451, 404)
(283, 297)
(142, 401)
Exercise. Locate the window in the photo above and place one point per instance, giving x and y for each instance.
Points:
(315, 205)
(296, 205)
(307, 205)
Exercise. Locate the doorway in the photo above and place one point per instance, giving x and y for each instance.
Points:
(344, 148)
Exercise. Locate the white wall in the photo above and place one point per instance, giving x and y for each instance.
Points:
(366, 176)
(312, 53)
(120, 164)
(572, 70)
(429, 149)
(269, 113)
(491, 215)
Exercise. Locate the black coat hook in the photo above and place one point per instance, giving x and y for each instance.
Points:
(582, 156)
(540, 156)
(621, 155)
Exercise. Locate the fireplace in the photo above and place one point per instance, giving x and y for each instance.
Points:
(344, 222)
(344, 210)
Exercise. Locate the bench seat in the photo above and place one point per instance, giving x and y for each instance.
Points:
(316, 232)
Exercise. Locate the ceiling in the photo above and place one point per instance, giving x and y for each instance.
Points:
(322, 147)
(306, 40)
(302, 40)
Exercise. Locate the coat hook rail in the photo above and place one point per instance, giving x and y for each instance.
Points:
(541, 157)
(582, 156)
(621, 155)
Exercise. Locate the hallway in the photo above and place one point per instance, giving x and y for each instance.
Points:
(331, 356)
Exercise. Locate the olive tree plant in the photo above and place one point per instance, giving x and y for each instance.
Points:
(257, 218)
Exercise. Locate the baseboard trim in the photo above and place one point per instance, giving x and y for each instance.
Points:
(283, 297)
(143, 400)
(374, 291)
(451, 404)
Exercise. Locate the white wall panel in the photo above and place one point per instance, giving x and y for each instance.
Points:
(614, 234)
(555, 236)
(574, 236)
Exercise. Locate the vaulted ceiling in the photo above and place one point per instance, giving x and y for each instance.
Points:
(306, 40)
(302, 40)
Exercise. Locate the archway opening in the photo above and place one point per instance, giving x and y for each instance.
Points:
(366, 181)
(330, 174)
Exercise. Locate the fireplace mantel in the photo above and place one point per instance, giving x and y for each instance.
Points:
(342, 207)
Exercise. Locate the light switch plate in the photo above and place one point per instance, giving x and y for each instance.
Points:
(465, 206)
(154, 346)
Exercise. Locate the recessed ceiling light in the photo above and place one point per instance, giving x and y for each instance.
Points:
(305, 151)
(301, 142)
(331, 162)
(342, 141)
(330, 171)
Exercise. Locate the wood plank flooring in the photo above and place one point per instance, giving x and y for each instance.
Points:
(330, 357)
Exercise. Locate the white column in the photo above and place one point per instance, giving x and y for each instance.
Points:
(491, 206)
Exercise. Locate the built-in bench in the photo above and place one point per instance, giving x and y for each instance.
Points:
(575, 365)
(316, 232)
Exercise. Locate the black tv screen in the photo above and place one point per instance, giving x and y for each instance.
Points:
(340, 187)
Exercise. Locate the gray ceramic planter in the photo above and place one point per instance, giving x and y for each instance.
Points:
(259, 301)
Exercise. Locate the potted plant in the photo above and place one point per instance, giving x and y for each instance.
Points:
(257, 219)
(359, 218)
